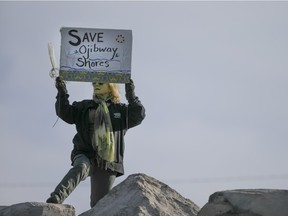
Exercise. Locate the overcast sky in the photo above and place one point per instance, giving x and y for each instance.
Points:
(212, 76)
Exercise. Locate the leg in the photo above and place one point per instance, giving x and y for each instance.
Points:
(101, 183)
(78, 173)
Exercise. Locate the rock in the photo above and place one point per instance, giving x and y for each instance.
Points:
(262, 202)
(142, 195)
(37, 209)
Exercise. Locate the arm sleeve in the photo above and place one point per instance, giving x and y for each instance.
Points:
(64, 110)
(135, 113)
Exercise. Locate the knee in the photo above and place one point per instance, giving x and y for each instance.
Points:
(83, 169)
(81, 164)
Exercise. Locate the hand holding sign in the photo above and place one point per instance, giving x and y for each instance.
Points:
(61, 86)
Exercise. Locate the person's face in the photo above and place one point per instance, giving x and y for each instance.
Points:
(101, 88)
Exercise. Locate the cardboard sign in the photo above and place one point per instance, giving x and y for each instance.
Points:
(96, 55)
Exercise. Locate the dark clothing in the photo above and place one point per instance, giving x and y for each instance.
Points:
(122, 116)
(101, 180)
(101, 183)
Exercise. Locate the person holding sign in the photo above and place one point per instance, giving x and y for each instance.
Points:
(101, 124)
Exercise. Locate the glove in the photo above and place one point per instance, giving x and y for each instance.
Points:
(60, 85)
(130, 94)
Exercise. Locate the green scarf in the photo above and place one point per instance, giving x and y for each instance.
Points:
(103, 138)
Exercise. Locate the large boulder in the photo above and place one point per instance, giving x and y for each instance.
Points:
(37, 209)
(142, 195)
(262, 202)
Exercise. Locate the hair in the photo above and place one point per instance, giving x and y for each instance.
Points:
(115, 92)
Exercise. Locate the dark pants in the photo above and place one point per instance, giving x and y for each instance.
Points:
(101, 180)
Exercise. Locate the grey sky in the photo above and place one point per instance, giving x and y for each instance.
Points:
(212, 76)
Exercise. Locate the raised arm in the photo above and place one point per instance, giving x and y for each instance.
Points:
(136, 111)
(64, 110)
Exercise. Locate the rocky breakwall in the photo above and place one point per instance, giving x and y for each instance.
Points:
(257, 202)
(142, 195)
(37, 209)
(137, 195)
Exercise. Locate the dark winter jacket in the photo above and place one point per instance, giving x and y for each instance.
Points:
(122, 116)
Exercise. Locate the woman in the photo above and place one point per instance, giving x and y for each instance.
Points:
(101, 124)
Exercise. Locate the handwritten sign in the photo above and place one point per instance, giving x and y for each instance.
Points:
(95, 55)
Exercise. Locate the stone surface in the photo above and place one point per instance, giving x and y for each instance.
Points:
(37, 209)
(142, 195)
(261, 202)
